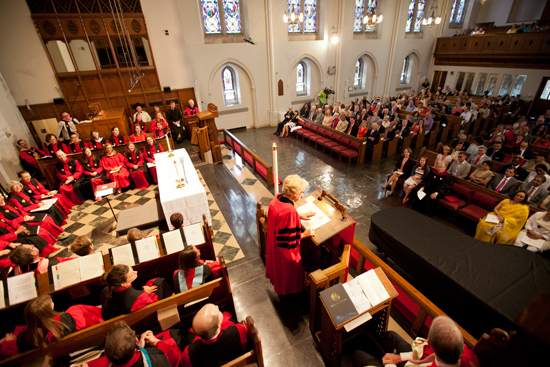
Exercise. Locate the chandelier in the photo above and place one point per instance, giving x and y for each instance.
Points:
(432, 19)
(292, 18)
(370, 20)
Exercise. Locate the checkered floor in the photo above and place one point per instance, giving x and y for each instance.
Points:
(95, 220)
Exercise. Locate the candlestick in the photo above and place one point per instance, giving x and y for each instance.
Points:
(180, 185)
(169, 148)
(275, 169)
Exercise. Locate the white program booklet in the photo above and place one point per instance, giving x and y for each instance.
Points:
(66, 274)
(173, 241)
(194, 235)
(47, 205)
(538, 243)
(357, 296)
(491, 218)
(318, 220)
(91, 266)
(22, 288)
(149, 165)
(147, 249)
(123, 255)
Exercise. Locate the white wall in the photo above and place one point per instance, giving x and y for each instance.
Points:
(499, 11)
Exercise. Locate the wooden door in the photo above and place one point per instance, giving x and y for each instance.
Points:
(438, 80)
(541, 103)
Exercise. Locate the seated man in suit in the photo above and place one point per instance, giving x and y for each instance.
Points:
(218, 340)
(524, 151)
(373, 137)
(460, 168)
(540, 170)
(504, 184)
(520, 174)
(532, 163)
(121, 348)
(444, 347)
(287, 117)
(497, 154)
(353, 129)
(536, 193)
(480, 157)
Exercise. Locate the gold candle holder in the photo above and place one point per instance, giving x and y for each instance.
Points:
(178, 180)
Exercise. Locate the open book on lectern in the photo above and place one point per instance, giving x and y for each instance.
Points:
(180, 238)
(77, 270)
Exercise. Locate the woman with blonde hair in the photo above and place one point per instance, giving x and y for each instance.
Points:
(284, 266)
(444, 157)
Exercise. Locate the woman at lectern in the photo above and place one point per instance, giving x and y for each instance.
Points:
(150, 149)
(45, 325)
(25, 203)
(135, 163)
(93, 169)
(115, 169)
(193, 271)
(284, 266)
(119, 297)
(138, 134)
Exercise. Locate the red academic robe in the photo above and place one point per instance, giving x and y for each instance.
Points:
(191, 111)
(75, 171)
(467, 359)
(42, 241)
(284, 266)
(53, 148)
(150, 151)
(154, 125)
(134, 137)
(93, 164)
(35, 189)
(27, 155)
(122, 177)
(197, 276)
(25, 203)
(18, 217)
(118, 140)
(138, 174)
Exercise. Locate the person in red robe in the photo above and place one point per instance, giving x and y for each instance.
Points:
(115, 169)
(27, 258)
(191, 109)
(116, 138)
(283, 265)
(93, 170)
(139, 121)
(193, 271)
(96, 141)
(53, 146)
(29, 154)
(75, 145)
(150, 149)
(25, 203)
(10, 231)
(72, 184)
(159, 117)
(37, 191)
(44, 325)
(135, 165)
(138, 134)
(160, 131)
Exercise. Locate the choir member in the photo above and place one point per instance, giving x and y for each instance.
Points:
(119, 297)
(27, 258)
(174, 118)
(66, 126)
(29, 154)
(96, 141)
(150, 149)
(93, 170)
(73, 183)
(160, 131)
(191, 108)
(139, 122)
(157, 110)
(138, 134)
(176, 220)
(25, 203)
(53, 146)
(75, 145)
(284, 265)
(135, 164)
(36, 190)
(82, 246)
(115, 169)
(45, 325)
(117, 139)
(159, 118)
(193, 271)
(143, 115)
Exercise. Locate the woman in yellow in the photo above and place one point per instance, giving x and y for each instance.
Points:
(512, 215)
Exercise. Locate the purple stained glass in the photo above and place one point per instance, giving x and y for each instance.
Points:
(419, 15)
(211, 16)
(359, 11)
(232, 16)
(410, 15)
(460, 11)
(294, 7)
(452, 11)
(310, 16)
(371, 10)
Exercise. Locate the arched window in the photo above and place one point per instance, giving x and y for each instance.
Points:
(221, 17)
(309, 9)
(415, 15)
(361, 12)
(301, 79)
(406, 70)
(229, 86)
(457, 12)
(358, 79)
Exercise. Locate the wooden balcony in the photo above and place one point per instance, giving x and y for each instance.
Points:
(528, 50)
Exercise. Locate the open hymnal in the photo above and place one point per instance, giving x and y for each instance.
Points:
(491, 218)
(173, 241)
(47, 205)
(123, 255)
(318, 220)
(194, 235)
(372, 287)
(78, 270)
(147, 249)
(22, 288)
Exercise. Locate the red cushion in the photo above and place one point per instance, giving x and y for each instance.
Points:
(485, 201)
(247, 157)
(316, 138)
(452, 206)
(323, 140)
(349, 153)
(302, 131)
(473, 212)
(329, 134)
(355, 145)
(238, 149)
(339, 148)
(330, 144)
(261, 170)
(345, 141)
(336, 138)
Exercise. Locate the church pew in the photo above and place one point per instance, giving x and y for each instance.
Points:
(433, 134)
(255, 355)
(217, 291)
(47, 165)
(392, 146)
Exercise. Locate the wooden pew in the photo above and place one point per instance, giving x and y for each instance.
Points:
(392, 147)
(255, 355)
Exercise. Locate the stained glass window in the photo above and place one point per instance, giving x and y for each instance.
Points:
(546, 91)
(457, 11)
(506, 84)
(358, 74)
(310, 16)
(453, 11)
(518, 85)
(460, 80)
(481, 83)
(211, 16)
(229, 87)
(405, 70)
(419, 15)
(492, 83)
(410, 15)
(232, 16)
(294, 7)
(301, 87)
(359, 10)
(371, 9)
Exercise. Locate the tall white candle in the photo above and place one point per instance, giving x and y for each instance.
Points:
(275, 169)
(177, 170)
(168, 142)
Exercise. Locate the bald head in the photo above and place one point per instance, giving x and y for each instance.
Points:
(207, 322)
(446, 340)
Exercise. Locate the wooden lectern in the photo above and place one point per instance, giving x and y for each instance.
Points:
(206, 119)
(103, 123)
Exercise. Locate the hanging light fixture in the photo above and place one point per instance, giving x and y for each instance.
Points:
(334, 38)
(293, 18)
(370, 20)
(432, 19)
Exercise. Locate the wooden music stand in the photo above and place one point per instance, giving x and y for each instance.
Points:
(105, 191)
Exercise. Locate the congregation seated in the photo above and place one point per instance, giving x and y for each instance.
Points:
(540, 170)
(27, 258)
(482, 175)
(218, 338)
(477, 159)
(444, 157)
(37, 191)
(402, 170)
(435, 186)
(93, 170)
(193, 271)
(25, 203)
(73, 183)
(511, 215)
(531, 164)
(515, 162)
(142, 124)
(444, 347)
(141, 115)
(116, 139)
(419, 172)
(286, 119)
(191, 109)
(114, 165)
(537, 227)
(460, 168)
(136, 166)
(505, 184)
(96, 141)
(53, 145)
(536, 191)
